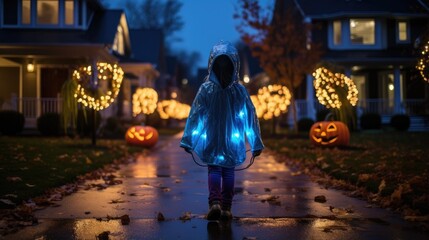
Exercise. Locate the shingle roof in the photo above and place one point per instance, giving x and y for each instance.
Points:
(339, 8)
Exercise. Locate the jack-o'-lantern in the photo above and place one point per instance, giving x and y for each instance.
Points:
(144, 136)
(329, 134)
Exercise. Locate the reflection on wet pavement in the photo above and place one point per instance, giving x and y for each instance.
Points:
(270, 203)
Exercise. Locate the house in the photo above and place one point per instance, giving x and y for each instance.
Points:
(375, 43)
(43, 41)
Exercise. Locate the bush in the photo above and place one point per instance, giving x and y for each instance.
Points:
(49, 124)
(304, 124)
(370, 121)
(113, 128)
(11, 122)
(84, 125)
(400, 122)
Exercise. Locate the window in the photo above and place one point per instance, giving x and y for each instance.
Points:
(362, 31)
(26, 12)
(357, 33)
(69, 12)
(337, 32)
(47, 11)
(118, 43)
(402, 31)
(41, 13)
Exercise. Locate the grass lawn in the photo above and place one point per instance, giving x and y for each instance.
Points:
(31, 165)
(390, 168)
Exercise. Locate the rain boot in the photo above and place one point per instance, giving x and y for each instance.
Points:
(214, 211)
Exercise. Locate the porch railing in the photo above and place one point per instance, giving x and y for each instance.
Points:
(34, 107)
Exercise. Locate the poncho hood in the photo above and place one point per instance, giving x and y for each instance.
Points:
(218, 54)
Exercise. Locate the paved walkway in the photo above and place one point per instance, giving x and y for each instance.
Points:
(270, 203)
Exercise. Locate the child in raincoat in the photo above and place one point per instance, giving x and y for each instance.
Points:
(222, 117)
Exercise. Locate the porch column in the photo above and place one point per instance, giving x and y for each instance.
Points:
(311, 111)
(397, 98)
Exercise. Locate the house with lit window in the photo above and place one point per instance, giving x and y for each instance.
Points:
(43, 41)
(375, 42)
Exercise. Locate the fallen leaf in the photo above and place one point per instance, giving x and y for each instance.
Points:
(125, 219)
(320, 199)
(160, 217)
(88, 160)
(186, 216)
(104, 235)
(14, 179)
(29, 185)
(7, 202)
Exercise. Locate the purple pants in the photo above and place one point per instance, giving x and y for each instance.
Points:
(221, 185)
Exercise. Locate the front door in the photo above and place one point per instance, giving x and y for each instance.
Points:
(51, 81)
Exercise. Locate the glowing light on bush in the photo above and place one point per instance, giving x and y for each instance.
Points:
(99, 91)
(271, 101)
(173, 109)
(422, 62)
(330, 86)
(144, 101)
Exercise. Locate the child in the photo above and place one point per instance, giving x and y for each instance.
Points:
(222, 114)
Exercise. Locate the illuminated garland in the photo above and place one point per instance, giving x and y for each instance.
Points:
(144, 101)
(271, 101)
(328, 85)
(100, 94)
(421, 64)
(173, 109)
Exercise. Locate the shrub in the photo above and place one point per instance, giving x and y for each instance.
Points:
(11, 122)
(370, 121)
(49, 124)
(113, 128)
(84, 124)
(400, 122)
(304, 124)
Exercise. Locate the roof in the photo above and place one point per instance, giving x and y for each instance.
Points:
(147, 44)
(340, 8)
(101, 31)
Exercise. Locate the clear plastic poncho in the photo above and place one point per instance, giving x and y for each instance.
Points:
(222, 116)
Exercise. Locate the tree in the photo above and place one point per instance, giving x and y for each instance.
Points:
(155, 14)
(280, 40)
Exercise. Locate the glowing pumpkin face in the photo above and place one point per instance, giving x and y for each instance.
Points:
(144, 136)
(329, 133)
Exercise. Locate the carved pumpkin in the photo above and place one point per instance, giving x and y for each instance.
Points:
(144, 136)
(330, 134)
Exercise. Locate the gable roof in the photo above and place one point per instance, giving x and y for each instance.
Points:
(339, 8)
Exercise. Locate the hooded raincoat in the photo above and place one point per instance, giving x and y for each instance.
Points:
(222, 116)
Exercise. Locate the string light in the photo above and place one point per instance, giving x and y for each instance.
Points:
(271, 101)
(328, 85)
(102, 92)
(173, 109)
(144, 101)
(421, 64)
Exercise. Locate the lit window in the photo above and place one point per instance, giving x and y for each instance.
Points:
(69, 12)
(47, 11)
(337, 32)
(26, 12)
(362, 31)
(118, 43)
(402, 31)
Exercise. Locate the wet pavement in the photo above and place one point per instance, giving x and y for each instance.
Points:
(271, 202)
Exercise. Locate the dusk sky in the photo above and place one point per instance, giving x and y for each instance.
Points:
(206, 23)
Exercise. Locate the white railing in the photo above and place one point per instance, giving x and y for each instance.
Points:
(34, 107)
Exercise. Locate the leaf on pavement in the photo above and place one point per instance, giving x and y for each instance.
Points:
(7, 202)
(14, 179)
